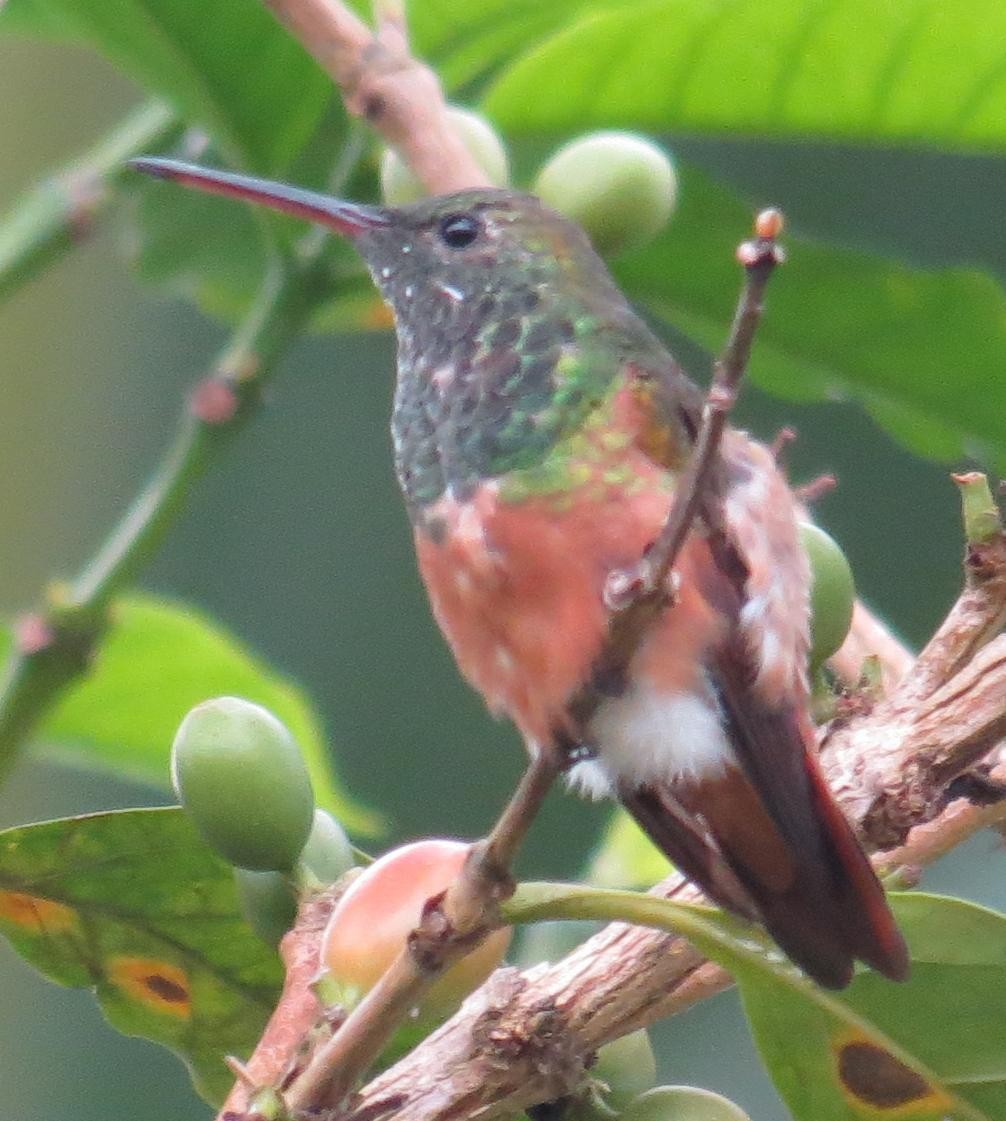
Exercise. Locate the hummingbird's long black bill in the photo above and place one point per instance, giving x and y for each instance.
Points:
(346, 218)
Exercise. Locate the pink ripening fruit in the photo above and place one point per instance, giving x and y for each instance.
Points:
(372, 920)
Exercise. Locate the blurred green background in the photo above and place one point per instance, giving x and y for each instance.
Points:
(299, 544)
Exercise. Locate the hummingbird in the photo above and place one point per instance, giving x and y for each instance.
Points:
(539, 429)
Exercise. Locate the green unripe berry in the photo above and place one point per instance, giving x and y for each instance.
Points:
(241, 777)
(620, 187)
(627, 1066)
(832, 593)
(683, 1103)
(269, 899)
(327, 853)
(268, 902)
(400, 186)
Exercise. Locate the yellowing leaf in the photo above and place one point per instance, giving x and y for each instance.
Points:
(135, 905)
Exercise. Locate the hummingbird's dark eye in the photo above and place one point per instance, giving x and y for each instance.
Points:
(459, 230)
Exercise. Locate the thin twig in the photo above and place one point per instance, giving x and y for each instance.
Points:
(638, 596)
(450, 927)
(60, 213)
(297, 1012)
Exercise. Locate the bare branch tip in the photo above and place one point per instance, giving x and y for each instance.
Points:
(783, 438)
(980, 511)
(770, 223)
(762, 251)
(240, 1071)
(816, 489)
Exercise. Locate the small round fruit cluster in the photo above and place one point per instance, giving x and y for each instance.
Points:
(622, 1086)
(240, 775)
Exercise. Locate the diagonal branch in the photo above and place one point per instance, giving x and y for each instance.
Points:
(54, 645)
(638, 597)
(62, 211)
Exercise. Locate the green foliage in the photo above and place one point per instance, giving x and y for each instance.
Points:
(135, 905)
(223, 64)
(946, 1025)
(158, 660)
(840, 69)
(844, 325)
(931, 1048)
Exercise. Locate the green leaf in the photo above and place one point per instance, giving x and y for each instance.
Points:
(625, 856)
(159, 659)
(137, 906)
(230, 69)
(468, 41)
(932, 1049)
(918, 348)
(208, 249)
(841, 69)
(225, 65)
(946, 1024)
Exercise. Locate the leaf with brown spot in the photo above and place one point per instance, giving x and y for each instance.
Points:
(931, 1049)
(872, 1076)
(136, 905)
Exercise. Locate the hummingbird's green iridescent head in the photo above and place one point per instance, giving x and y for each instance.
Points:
(458, 246)
(510, 329)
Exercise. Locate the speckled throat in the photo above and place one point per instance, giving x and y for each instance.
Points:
(504, 346)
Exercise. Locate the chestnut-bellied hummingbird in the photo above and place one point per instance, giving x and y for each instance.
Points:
(539, 429)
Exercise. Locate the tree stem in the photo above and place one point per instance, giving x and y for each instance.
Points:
(54, 645)
(58, 214)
